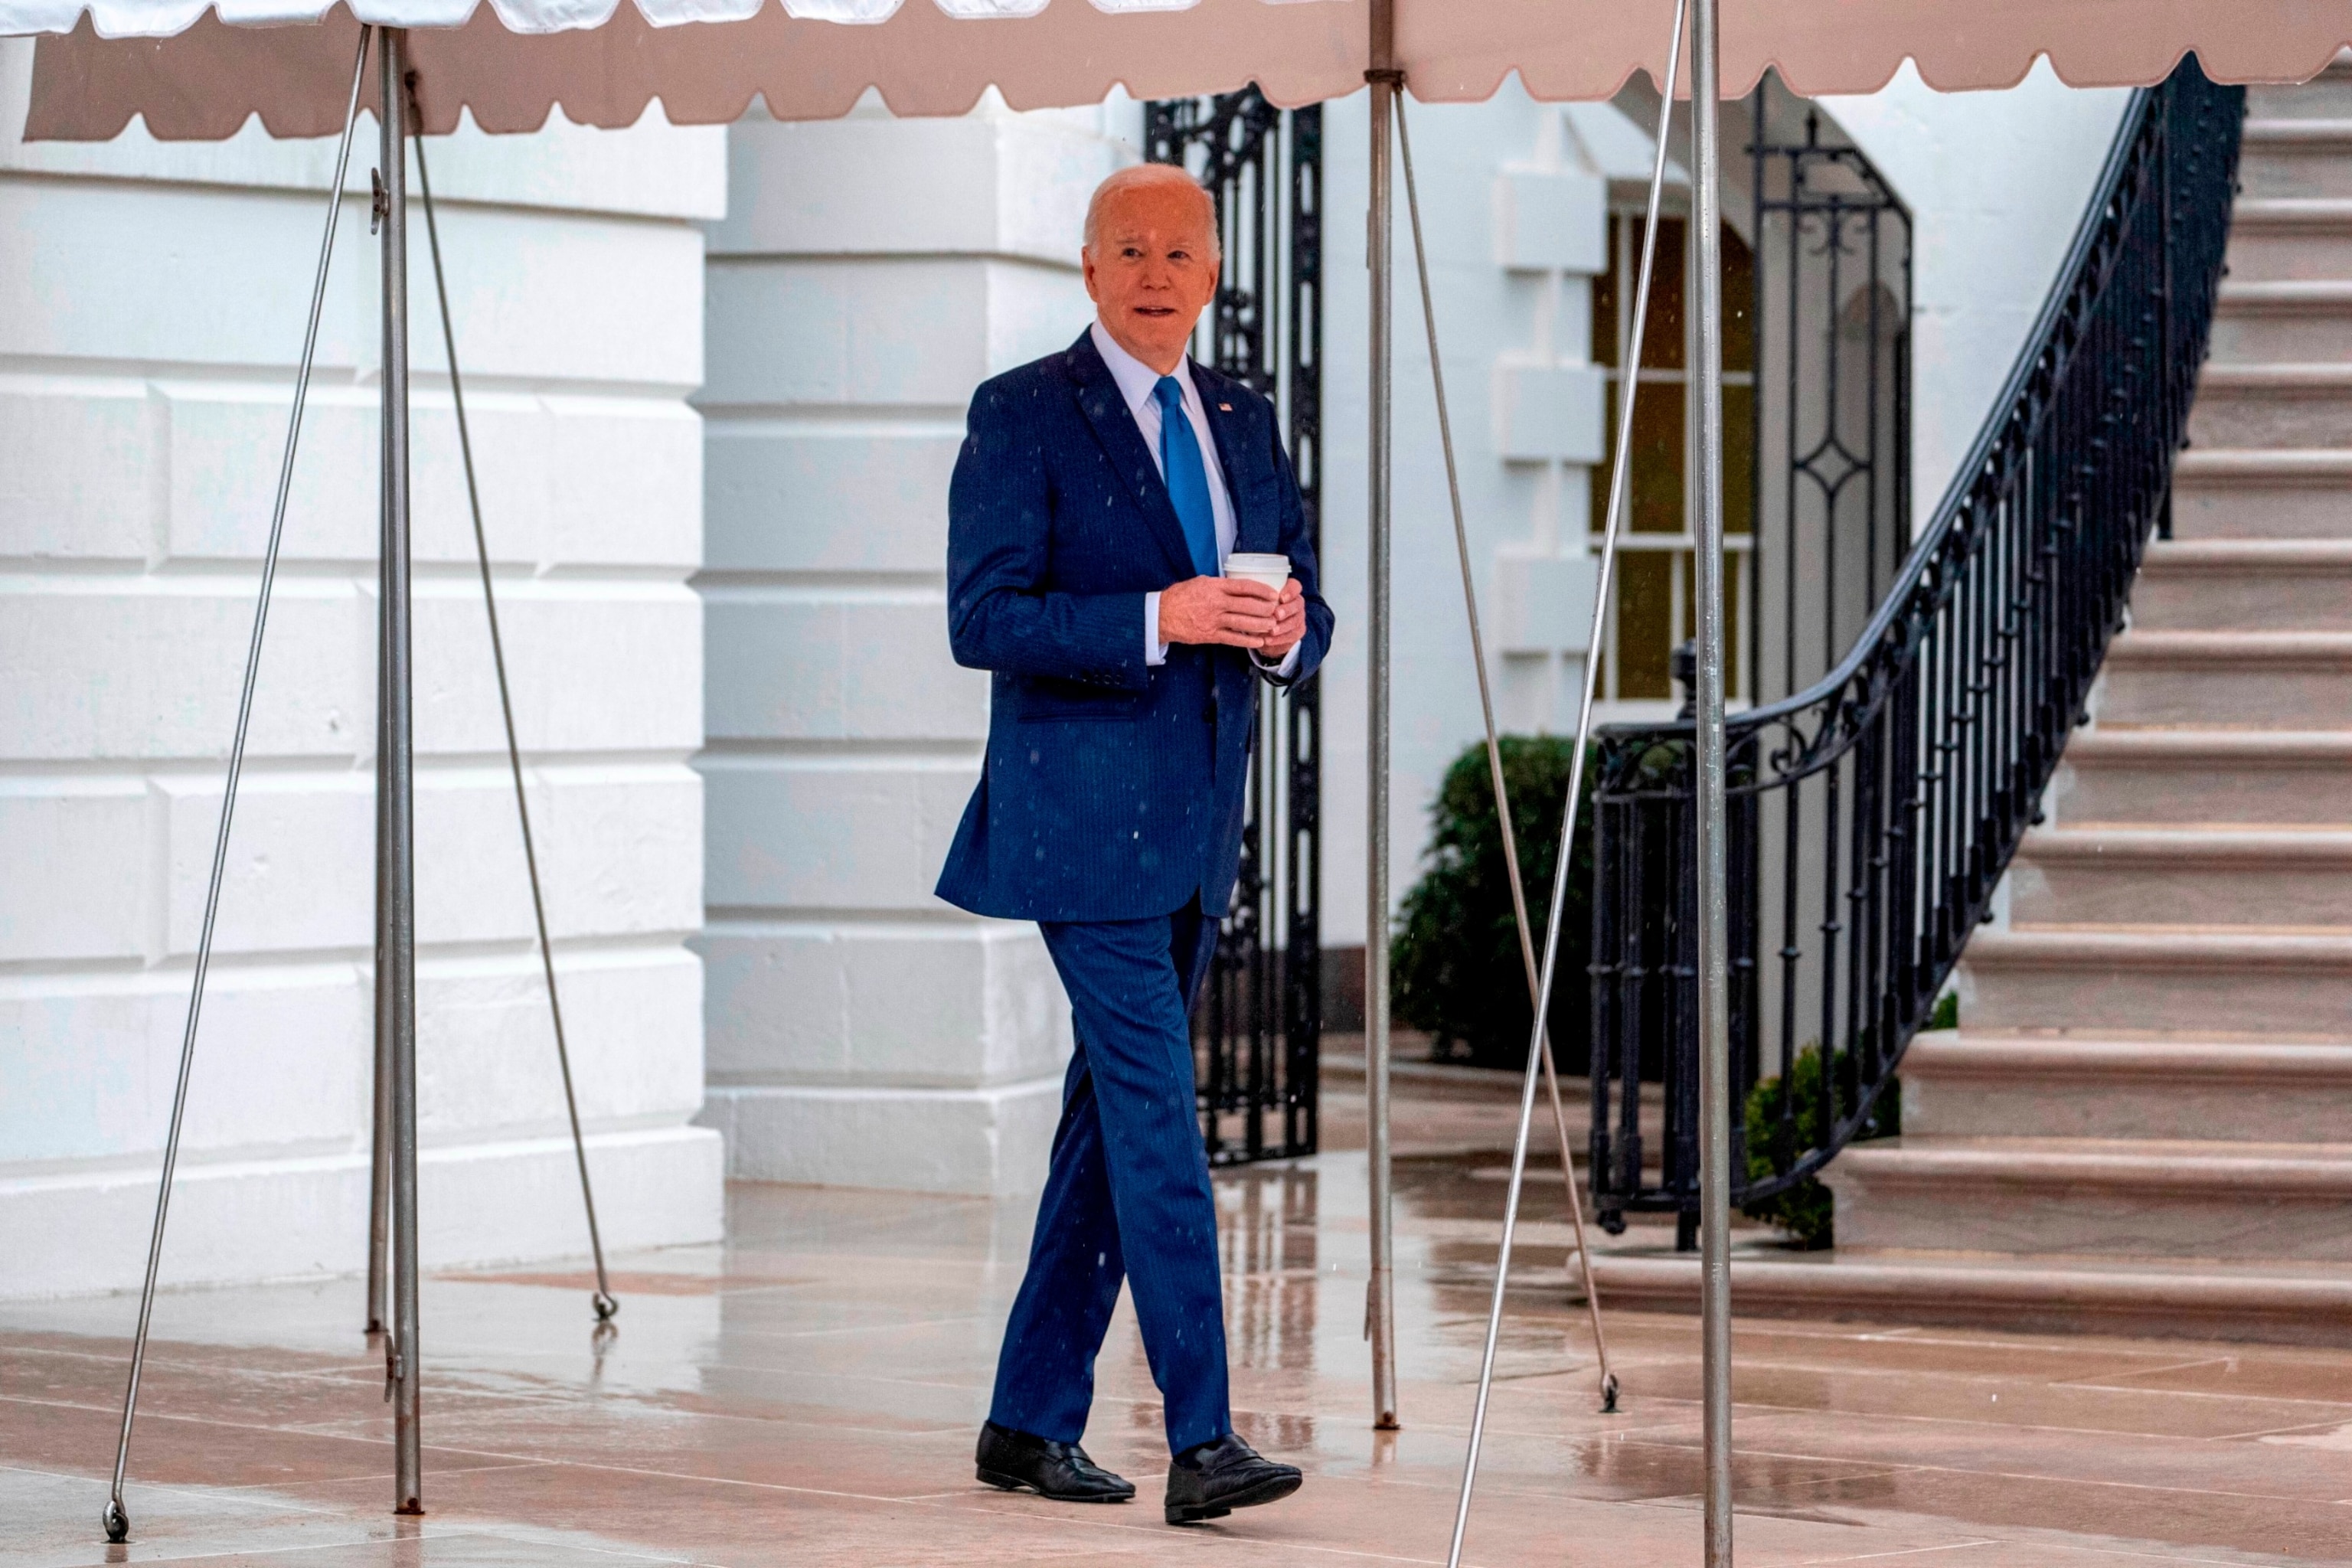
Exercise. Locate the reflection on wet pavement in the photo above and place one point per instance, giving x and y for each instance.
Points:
(807, 1394)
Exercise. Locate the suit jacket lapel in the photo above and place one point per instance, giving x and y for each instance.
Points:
(1114, 425)
(1251, 531)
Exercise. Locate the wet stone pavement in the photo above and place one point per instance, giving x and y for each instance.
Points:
(807, 1395)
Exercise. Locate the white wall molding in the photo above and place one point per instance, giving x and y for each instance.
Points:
(152, 302)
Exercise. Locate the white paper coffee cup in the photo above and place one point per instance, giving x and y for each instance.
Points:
(1273, 571)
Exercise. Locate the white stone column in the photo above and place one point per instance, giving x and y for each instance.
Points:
(870, 273)
(151, 302)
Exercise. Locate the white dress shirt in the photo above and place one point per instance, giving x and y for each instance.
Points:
(1136, 381)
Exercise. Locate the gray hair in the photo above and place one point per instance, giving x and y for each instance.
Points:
(1138, 176)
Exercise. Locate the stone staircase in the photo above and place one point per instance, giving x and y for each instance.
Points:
(2144, 1123)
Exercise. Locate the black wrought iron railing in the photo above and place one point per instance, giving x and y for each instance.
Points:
(1874, 813)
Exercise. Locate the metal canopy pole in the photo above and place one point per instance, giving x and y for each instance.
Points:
(379, 1284)
(396, 912)
(1630, 360)
(1714, 991)
(1380, 1302)
(604, 1302)
(1495, 768)
(379, 1307)
(116, 1519)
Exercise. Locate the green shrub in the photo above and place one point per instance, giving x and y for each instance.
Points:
(1455, 969)
(1806, 1211)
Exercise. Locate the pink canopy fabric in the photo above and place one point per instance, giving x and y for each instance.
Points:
(706, 60)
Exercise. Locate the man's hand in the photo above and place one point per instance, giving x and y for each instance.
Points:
(1226, 610)
(1290, 623)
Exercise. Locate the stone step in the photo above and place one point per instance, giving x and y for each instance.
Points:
(2280, 984)
(2284, 320)
(2241, 777)
(2099, 1197)
(2271, 1303)
(2290, 237)
(1968, 1084)
(2225, 492)
(2327, 96)
(2224, 680)
(2305, 155)
(2267, 406)
(2245, 584)
(2184, 877)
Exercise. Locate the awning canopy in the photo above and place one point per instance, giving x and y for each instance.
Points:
(197, 73)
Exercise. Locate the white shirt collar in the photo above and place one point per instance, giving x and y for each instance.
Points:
(1135, 378)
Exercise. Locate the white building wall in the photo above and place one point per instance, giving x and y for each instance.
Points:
(152, 302)
(870, 273)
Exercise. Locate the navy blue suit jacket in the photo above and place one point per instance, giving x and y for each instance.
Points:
(1112, 789)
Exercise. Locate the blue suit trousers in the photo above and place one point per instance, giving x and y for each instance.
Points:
(1128, 1196)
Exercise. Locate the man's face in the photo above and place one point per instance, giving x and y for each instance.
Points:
(1152, 269)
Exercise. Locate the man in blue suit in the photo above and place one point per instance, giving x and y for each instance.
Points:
(1098, 492)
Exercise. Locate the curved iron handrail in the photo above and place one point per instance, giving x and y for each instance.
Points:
(1918, 762)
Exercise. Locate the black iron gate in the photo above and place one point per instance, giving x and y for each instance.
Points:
(1258, 1028)
(1831, 487)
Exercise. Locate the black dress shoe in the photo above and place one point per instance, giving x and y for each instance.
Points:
(1015, 1462)
(1214, 1479)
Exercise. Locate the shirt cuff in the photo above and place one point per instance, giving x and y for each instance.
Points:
(1290, 660)
(1155, 652)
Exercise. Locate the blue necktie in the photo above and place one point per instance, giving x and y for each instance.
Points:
(1187, 476)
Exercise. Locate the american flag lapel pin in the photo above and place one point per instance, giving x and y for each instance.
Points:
(1225, 408)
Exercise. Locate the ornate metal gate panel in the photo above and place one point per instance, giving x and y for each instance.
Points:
(1258, 1028)
(1831, 487)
